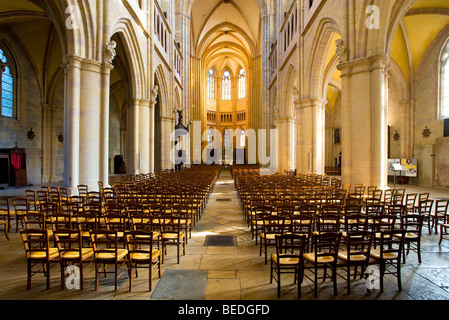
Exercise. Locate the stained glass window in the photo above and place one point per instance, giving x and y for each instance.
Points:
(242, 84)
(209, 138)
(7, 92)
(444, 83)
(226, 93)
(226, 139)
(211, 84)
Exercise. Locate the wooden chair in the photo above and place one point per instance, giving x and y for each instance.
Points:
(172, 235)
(444, 226)
(422, 196)
(5, 213)
(356, 254)
(412, 225)
(425, 209)
(38, 252)
(273, 225)
(288, 258)
(142, 253)
(324, 256)
(410, 200)
(21, 208)
(381, 223)
(107, 252)
(441, 208)
(389, 255)
(71, 251)
(303, 225)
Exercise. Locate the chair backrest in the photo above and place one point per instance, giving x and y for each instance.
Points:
(69, 242)
(291, 246)
(441, 206)
(21, 205)
(35, 220)
(36, 243)
(5, 205)
(105, 244)
(384, 222)
(326, 245)
(374, 209)
(396, 209)
(353, 209)
(310, 209)
(328, 223)
(139, 242)
(275, 224)
(358, 244)
(331, 209)
(391, 243)
(412, 224)
(62, 220)
(425, 206)
(87, 220)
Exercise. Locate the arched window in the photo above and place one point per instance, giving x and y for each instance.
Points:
(7, 80)
(211, 84)
(444, 82)
(226, 139)
(209, 138)
(226, 93)
(242, 84)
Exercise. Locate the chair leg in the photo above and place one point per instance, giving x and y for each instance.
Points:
(399, 275)
(441, 235)
(29, 276)
(382, 272)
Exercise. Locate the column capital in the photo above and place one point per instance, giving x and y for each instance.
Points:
(365, 64)
(106, 68)
(310, 103)
(71, 61)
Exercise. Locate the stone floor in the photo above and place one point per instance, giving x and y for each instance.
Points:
(225, 273)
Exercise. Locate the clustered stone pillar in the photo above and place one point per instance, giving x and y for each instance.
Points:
(104, 125)
(286, 147)
(364, 121)
(72, 75)
(310, 135)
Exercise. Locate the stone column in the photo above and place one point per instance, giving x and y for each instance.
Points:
(311, 135)
(90, 123)
(72, 77)
(104, 124)
(167, 129)
(133, 136)
(364, 121)
(46, 143)
(286, 147)
(151, 126)
(144, 135)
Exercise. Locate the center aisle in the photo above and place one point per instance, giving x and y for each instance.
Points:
(233, 273)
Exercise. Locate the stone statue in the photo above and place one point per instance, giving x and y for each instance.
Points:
(341, 50)
(155, 92)
(110, 50)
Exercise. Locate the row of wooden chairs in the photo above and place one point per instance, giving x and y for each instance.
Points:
(331, 251)
(108, 230)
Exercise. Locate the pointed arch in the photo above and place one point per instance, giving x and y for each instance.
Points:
(162, 91)
(290, 83)
(124, 27)
(317, 58)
